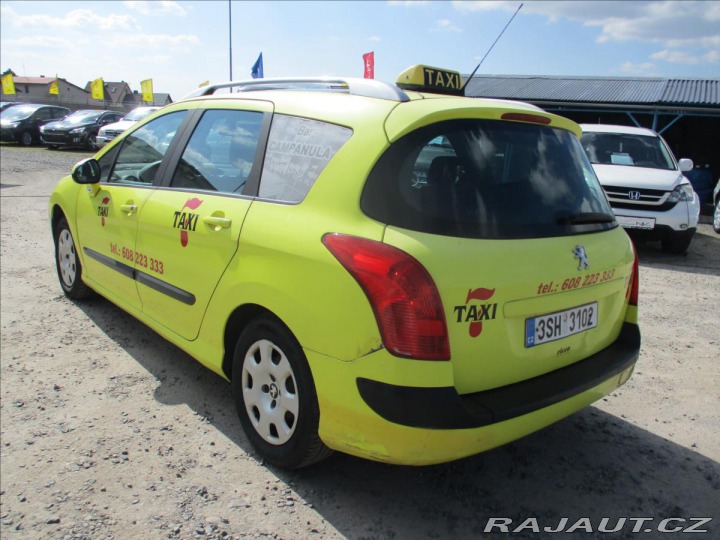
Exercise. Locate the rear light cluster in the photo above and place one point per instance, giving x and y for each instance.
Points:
(402, 294)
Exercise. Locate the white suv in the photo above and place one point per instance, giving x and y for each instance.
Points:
(109, 132)
(645, 184)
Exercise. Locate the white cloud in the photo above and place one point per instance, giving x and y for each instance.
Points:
(408, 3)
(159, 40)
(444, 25)
(156, 8)
(713, 57)
(667, 22)
(645, 69)
(375, 38)
(156, 59)
(688, 31)
(676, 57)
(41, 42)
(75, 19)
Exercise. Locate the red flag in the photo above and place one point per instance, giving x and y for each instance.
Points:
(369, 61)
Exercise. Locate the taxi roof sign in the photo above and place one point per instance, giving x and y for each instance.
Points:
(431, 79)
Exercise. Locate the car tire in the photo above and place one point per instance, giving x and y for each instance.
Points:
(26, 138)
(69, 268)
(716, 217)
(91, 142)
(275, 395)
(676, 243)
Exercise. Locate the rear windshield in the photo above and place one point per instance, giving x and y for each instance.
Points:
(627, 149)
(487, 179)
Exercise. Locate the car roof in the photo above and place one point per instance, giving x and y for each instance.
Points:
(624, 130)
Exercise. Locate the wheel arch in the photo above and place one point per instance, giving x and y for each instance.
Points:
(56, 214)
(239, 319)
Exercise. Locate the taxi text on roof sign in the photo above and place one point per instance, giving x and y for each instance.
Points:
(430, 79)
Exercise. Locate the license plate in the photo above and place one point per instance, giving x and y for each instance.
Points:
(559, 325)
(636, 222)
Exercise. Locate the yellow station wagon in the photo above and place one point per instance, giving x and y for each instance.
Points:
(393, 271)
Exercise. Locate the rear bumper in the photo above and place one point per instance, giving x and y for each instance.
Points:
(415, 417)
(444, 408)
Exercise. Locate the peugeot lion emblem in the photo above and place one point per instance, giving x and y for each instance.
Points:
(580, 255)
(634, 195)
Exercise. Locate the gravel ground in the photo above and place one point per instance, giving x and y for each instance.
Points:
(108, 431)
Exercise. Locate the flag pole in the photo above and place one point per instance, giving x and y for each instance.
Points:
(230, 34)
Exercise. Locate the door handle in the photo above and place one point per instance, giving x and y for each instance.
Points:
(217, 222)
(129, 208)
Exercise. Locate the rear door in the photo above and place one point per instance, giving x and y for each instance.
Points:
(516, 232)
(189, 229)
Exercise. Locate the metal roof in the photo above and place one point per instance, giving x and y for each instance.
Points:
(661, 92)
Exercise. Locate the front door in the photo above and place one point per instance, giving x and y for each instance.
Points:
(107, 218)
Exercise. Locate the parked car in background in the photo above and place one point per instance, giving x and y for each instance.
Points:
(716, 211)
(6, 104)
(109, 132)
(646, 187)
(22, 123)
(78, 129)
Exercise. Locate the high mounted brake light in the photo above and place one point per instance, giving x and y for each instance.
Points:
(432, 80)
(403, 296)
(525, 117)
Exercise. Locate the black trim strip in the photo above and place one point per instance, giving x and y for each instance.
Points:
(141, 277)
(443, 408)
(124, 269)
(165, 288)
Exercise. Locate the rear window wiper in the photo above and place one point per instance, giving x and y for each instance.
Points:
(585, 218)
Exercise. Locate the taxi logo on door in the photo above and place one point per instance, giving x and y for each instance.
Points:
(186, 221)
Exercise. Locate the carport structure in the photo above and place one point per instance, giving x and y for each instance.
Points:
(686, 112)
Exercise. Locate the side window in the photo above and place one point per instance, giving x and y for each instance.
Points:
(58, 113)
(142, 151)
(297, 152)
(43, 114)
(221, 152)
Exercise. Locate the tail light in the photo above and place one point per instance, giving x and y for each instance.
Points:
(634, 280)
(403, 296)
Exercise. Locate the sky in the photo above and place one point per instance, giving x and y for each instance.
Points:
(179, 45)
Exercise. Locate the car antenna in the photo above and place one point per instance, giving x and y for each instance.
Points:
(462, 90)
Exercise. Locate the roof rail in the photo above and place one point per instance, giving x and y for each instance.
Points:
(357, 87)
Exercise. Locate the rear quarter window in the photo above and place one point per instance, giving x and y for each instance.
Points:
(486, 179)
(298, 150)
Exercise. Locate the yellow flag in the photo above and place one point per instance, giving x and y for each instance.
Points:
(55, 87)
(203, 84)
(8, 84)
(147, 90)
(97, 89)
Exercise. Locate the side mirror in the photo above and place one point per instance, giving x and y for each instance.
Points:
(86, 171)
(686, 164)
